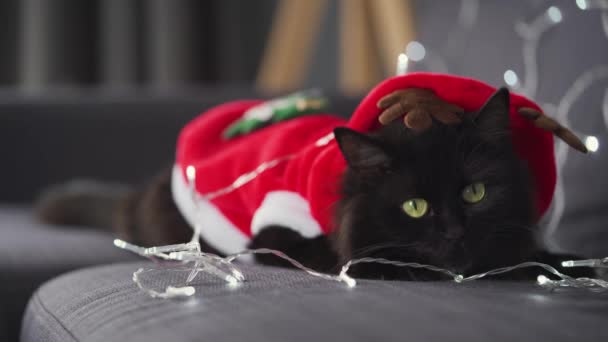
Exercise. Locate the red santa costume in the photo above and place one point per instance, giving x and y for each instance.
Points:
(288, 173)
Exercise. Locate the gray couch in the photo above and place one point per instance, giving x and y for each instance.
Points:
(102, 304)
(57, 137)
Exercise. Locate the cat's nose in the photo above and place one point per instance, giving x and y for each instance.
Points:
(453, 232)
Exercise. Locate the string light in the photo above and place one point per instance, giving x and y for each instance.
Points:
(189, 257)
(582, 4)
(415, 51)
(554, 14)
(223, 268)
(575, 92)
(249, 176)
(402, 62)
(169, 292)
(592, 143)
(585, 5)
(592, 4)
(531, 34)
(511, 78)
(602, 263)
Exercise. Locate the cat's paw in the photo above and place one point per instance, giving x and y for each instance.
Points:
(278, 238)
(315, 253)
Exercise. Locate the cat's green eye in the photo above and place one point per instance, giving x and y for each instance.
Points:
(415, 207)
(474, 193)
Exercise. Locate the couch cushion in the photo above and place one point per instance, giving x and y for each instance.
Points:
(32, 252)
(102, 303)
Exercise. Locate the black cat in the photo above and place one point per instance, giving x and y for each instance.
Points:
(455, 196)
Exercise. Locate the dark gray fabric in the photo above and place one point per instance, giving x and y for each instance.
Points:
(102, 304)
(31, 253)
(127, 137)
(28, 244)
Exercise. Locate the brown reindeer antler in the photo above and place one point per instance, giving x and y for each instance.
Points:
(420, 105)
(547, 123)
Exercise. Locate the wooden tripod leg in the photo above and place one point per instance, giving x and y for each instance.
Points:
(393, 22)
(288, 51)
(359, 65)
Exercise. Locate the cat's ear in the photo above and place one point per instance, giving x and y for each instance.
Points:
(361, 152)
(492, 119)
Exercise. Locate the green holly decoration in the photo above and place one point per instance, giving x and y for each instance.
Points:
(276, 110)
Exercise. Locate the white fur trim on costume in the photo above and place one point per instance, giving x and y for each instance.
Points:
(287, 209)
(216, 229)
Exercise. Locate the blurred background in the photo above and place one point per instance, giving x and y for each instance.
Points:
(277, 45)
(131, 43)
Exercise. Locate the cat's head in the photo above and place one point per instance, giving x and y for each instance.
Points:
(454, 196)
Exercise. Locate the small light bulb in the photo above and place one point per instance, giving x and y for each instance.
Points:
(592, 143)
(233, 285)
(415, 51)
(350, 282)
(238, 275)
(189, 291)
(582, 4)
(511, 78)
(554, 14)
(231, 280)
(568, 263)
(186, 291)
(190, 172)
(402, 61)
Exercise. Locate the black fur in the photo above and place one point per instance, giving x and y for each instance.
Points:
(436, 165)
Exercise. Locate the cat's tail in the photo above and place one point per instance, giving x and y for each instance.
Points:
(82, 203)
(144, 215)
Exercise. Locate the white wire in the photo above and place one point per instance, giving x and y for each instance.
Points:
(223, 268)
(531, 34)
(572, 95)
